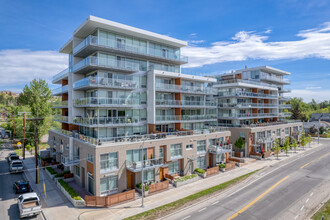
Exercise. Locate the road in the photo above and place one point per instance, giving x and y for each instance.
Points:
(8, 204)
(292, 191)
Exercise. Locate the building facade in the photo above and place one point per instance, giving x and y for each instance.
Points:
(126, 105)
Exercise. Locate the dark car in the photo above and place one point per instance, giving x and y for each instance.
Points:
(22, 186)
(13, 157)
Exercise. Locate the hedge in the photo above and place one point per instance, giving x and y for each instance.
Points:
(51, 170)
(68, 188)
(181, 179)
(139, 186)
(198, 170)
(222, 165)
(62, 174)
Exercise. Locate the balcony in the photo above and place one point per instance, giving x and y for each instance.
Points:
(184, 89)
(246, 115)
(67, 162)
(145, 164)
(220, 150)
(102, 82)
(285, 106)
(178, 118)
(107, 102)
(108, 121)
(60, 104)
(283, 98)
(284, 90)
(247, 105)
(185, 103)
(276, 79)
(92, 44)
(247, 95)
(60, 90)
(168, 118)
(285, 114)
(223, 83)
(62, 75)
(60, 118)
(91, 63)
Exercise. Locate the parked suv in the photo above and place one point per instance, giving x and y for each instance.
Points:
(16, 166)
(22, 186)
(13, 157)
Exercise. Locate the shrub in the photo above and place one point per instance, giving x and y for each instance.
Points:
(51, 170)
(139, 186)
(62, 174)
(240, 143)
(68, 188)
(198, 170)
(181, 179)
(222, 165)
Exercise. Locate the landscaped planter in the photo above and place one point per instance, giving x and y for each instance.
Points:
(182, 183)
(75, 203)
(146, 193)
(203, 175)
(222, 169)
(50, 175)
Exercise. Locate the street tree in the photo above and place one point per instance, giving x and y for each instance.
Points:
(294, 144)
(277, 147)
(286, 145)
(302, 139)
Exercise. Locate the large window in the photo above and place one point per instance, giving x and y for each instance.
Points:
(286, 131)
(135, 155)
(109, 185)
(90, 158)
(201, 162)
(174, 167)
(255, 74)
(278, 132)
(108, 162)
(176, 150)
(77, 171)
(201, 146)
(149, 175)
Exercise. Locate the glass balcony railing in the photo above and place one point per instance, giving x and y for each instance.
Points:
(254, 82)
(107, 101)
(167, 102)
(130, 48)
(185, 117)
(107, 120)
(285, 106)
(246, 94)
(60, 90)
(220, 150)
(168, 117)
(60, 104)
(273, 78)
(168, 87)
(185, 89)
(66, 161)
(60, 75)
(110, 63)
(247, 115)
(149, 163)
(105, 82)
(247, 105)
(185, 103)
(285, 114)
(60, 118)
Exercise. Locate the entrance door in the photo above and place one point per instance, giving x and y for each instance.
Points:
(130, 180)
(161, 173)
(90, 183)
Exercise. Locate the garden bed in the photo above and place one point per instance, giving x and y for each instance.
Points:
(200, 172)
(185, 180)
(70, 193)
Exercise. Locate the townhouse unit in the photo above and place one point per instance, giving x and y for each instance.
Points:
(252, 103)
(126, 105)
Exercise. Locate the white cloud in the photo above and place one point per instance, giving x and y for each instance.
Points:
(194, 42)
(307, 95)
(193, 34)
(314, 87)
(21, 66)
(250, 45)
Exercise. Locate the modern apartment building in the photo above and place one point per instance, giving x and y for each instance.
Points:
(251, 102)
(125, 103)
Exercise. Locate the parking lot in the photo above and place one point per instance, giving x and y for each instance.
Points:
(8, 204)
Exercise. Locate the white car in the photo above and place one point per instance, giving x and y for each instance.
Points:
(28, 205)
(16, 166)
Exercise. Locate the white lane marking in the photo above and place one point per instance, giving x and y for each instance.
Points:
(302, 208)
(311, 194)
(202, 210)
(296, 217)
(215, 202)
(307, 200)
(186, 217)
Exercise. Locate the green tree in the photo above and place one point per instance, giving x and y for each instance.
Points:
(277, 147)
(37, 96)
(240, 143)
(302, 139)
(309, 140)
(286, 145)
(294, 144)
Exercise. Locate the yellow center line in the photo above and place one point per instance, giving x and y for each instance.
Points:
(302, 167)
(257, 199)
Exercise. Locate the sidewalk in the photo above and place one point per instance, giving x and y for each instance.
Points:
(56, 205)
(134, 207)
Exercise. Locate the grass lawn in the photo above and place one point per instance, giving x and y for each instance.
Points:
(324, 211)
(164, 209)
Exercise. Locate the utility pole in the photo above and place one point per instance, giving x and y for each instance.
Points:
(14, 129)
(36, 140)
(24, 129)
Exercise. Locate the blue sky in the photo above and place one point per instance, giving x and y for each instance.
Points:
(293, 35)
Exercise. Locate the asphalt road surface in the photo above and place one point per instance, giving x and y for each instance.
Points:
(289, 191)
(8, 202)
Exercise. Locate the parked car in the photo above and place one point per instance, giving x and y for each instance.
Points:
(16, 166)
(28, 205)
(22, 186)
(13, 157)
(10, 154)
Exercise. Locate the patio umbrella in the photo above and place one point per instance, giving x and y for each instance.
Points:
(227, 141)
(221, 144)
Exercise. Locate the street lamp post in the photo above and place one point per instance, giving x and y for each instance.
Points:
(142, 146)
